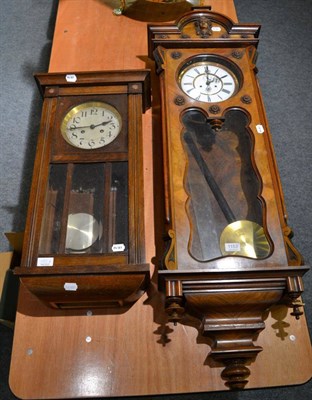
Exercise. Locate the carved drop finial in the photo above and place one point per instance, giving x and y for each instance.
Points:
(175, 309)
(235, 374)
(203, 27)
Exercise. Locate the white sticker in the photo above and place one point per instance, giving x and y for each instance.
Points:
(45, 261)
(70, 286)
(118, 247)
(71, 78)
(232, 246)
(216, 28)
(260, 128)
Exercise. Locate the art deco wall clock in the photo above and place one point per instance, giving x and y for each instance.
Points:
(228, 256)
(84, 236)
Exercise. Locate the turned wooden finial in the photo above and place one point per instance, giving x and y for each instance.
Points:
(235, 373)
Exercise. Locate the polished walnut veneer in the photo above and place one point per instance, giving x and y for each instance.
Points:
(228, 255)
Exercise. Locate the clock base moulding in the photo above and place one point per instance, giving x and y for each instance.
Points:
(232, 309)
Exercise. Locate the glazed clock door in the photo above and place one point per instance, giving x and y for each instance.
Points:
(86, 210)
(224, 209)
(216, 151)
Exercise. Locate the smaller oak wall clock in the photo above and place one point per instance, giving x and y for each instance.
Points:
(228, 256)
(84, 236)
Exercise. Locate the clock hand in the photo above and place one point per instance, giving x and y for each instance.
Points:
(72, 128)
(208, 81)
(101, 124)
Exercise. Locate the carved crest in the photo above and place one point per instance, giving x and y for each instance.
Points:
(203, 27)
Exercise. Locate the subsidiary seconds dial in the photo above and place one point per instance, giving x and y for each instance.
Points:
(207, 81)
(91, 125)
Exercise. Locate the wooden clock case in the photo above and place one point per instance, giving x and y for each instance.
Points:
(99, 278)
(228, 294)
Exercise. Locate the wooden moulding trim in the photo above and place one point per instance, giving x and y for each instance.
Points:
(213, 273)
(84, 270)
(93, 90)
(94, 157)
(96, 79)
(229, 25)
(200, 44)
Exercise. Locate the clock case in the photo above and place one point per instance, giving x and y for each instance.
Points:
(68, 179)
(228, 294)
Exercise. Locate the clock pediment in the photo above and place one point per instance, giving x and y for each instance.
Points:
(199, 26)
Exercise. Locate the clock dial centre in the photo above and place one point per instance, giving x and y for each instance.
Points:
(208, 82)
(91, 125)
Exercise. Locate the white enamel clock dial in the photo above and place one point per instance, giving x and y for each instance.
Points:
(91, 125)
(208, 82)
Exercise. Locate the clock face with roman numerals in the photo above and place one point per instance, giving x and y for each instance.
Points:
(208, 81)
(91, 125)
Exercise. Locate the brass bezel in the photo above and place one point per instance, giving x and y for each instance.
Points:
(82, 106)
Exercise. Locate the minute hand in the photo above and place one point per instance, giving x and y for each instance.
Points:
(91, 126)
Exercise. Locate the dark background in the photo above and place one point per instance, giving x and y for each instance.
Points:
(284, 63)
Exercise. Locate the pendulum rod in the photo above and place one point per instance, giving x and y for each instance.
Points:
(223, 204)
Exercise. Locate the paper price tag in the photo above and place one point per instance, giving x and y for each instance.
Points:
(45, 262)
(260, 128)
(118, 247)
(71, 78)
(232, 247)
(70, 286)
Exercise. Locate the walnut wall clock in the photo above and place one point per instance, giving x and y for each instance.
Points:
(228, 256)
(84, 237)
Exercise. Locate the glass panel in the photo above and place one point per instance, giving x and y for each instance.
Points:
(224, 207)
(53, 211)
(86, 209)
